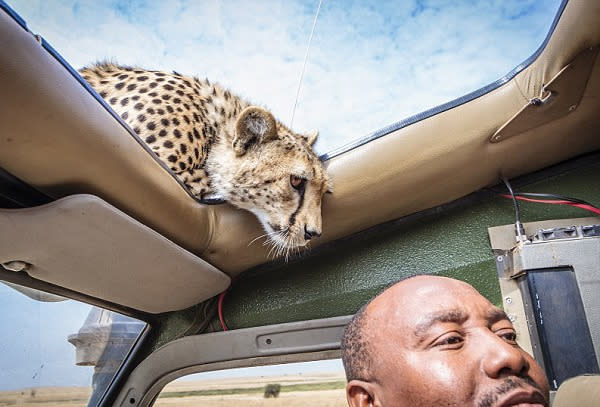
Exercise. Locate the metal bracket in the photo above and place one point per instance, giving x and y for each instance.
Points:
(559, 97)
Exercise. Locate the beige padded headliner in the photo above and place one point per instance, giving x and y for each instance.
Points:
(82, 243)
(580, 391)
(72, 145)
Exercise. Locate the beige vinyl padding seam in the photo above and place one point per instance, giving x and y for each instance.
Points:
(55, 136)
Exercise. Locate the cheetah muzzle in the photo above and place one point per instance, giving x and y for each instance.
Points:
(221, 146)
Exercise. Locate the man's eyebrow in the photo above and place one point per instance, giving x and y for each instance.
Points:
(451, 315)
(495, 315)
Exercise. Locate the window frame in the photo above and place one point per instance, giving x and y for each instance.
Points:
(128, 363)
(301, 341)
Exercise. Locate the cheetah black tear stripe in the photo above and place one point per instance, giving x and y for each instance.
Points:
(293, 216)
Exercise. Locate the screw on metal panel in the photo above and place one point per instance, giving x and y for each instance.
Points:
(508, 300)
(511, 318)
(268, 341)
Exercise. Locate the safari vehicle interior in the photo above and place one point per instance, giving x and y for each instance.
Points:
(89, 213)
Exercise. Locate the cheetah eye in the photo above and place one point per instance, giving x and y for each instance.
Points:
(297, 182)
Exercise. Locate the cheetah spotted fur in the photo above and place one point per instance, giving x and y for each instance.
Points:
(221, 146)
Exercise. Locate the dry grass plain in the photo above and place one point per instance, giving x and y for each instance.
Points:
(46, 397)
(323, 390)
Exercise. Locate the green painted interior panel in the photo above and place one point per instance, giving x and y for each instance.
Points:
(451, 241)
(339, 278)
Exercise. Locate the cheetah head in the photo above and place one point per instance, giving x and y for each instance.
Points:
(275, 174)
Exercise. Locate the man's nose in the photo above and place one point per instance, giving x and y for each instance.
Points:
(502, 358)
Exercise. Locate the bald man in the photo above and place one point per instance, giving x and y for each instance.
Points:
(433, 341)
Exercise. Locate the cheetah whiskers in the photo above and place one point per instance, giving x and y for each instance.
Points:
(276, 246)
(274, 249)
(283, 247)
(287, 246)
(297, 247)
(268, 235)
(292, 244)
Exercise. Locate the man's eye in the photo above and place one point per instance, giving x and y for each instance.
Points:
(297, 182)
(451, 341)
(508, 336)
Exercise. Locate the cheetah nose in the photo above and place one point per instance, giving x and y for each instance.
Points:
(309, 234)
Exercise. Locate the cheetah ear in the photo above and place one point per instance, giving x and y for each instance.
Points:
(311, 137)
(254, 125)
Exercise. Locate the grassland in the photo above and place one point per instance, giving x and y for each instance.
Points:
(323, 390)
(46, 397)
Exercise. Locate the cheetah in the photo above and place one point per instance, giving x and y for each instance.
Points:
(222, 147)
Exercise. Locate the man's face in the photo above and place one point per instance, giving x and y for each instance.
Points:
(437, 342)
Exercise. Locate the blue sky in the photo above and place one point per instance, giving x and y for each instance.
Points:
(371, 64)
(33, 342)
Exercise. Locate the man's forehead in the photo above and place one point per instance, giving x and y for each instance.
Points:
(411, 301)
(422, 289)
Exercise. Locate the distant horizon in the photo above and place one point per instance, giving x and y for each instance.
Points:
(210, 377)
(191, 377)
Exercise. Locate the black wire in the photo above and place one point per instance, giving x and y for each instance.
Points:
(515, 203)
(519, 229)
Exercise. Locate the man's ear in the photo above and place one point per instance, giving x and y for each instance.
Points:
(311, 137)
(254, 125)
(361, 394)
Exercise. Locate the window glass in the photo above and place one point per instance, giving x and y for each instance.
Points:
(371, 63)
(58, 352)
(319, 383)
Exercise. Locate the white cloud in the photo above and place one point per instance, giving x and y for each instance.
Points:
(371, 64)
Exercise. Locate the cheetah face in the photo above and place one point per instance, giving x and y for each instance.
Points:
(279, 178)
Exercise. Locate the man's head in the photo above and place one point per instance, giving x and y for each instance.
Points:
(434, 341)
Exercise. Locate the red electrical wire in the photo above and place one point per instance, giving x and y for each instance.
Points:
(220, 310)
(587, 208)
(556, 202)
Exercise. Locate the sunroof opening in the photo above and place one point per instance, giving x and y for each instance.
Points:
(370, 64)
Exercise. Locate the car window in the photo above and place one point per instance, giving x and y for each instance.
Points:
(291, 385)
(56, 351)
(370, 63)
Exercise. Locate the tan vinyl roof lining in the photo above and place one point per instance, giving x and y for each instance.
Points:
(74, 146)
